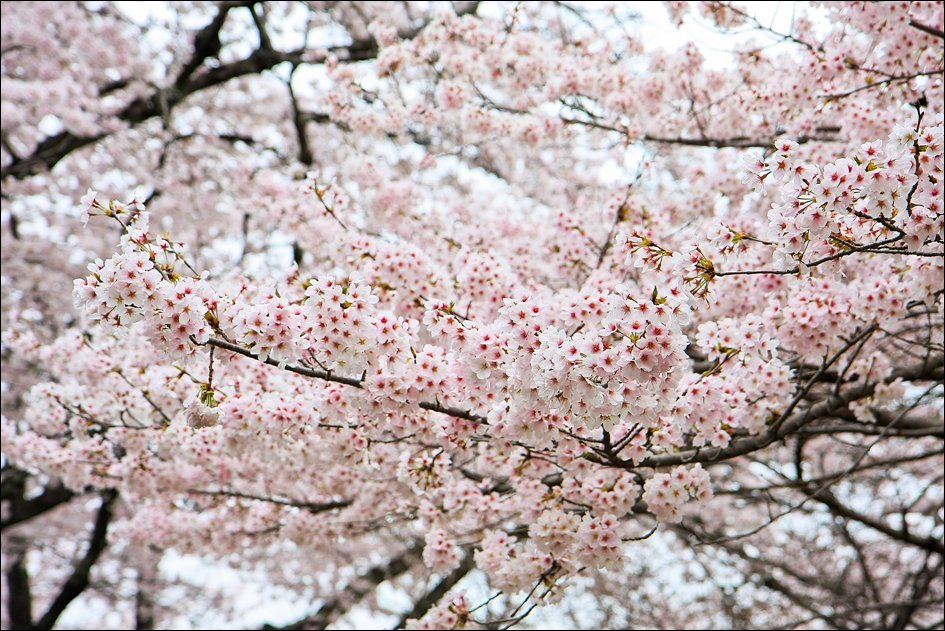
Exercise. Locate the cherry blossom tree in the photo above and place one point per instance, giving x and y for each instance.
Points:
(459, 315)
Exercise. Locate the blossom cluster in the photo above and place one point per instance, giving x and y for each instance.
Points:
(528, 302)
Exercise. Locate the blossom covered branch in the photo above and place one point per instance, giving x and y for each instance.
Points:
(493, 280)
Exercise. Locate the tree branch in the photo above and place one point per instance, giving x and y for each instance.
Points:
(931, 30)
(804, 603)
(78, 581)
(923, 581)
(299, 120)
(312, 507)
(53, 149)
(737, 142)
(21, 509)
(828, 499)
(207, 42)
(360, 587)
(19, 598)
(325, 375)
(422, 606)
(931, 368)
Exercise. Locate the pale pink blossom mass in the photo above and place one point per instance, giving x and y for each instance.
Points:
(444, 315)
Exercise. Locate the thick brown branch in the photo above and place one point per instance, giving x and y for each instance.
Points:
(207, 42)
(298, 121)
(923, 580)
(828, 499)
(932, 368)
(53, 149)
(21, 509)
(801, 601)
(144, 608)
(931, 30)
(355, 592)
(936, 431)
(79, 579)
(432, 597)
(49, 152)
(19, 599)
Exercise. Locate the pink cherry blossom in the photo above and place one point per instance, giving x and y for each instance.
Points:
(448, 312)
